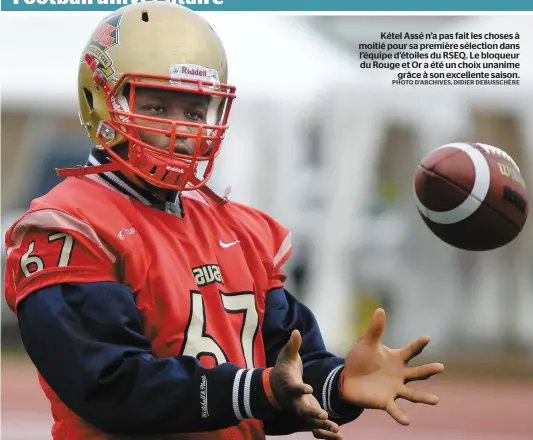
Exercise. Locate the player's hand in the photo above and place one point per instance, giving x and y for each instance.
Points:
(375, 375)
(293, 394)
(322, 429)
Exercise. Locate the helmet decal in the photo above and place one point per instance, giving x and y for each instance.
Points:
(104, 37)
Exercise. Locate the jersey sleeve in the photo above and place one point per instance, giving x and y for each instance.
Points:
(110, 376)
(273, 242)
(49, 247)
(281, 251)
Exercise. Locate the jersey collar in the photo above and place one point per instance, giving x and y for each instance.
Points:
(117, 180)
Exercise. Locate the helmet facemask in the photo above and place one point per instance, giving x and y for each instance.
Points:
(165, 168)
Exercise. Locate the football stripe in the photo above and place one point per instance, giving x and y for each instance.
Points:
(474, 199)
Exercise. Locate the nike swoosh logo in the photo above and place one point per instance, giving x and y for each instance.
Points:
(227, 245)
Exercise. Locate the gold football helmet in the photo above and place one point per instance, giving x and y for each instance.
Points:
(158, 45)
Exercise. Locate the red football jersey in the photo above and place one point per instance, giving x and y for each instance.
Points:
(200, 279)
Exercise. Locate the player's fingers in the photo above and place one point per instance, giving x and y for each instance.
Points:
(422, 372)
(397, 413)
(296, 389)
(328, 430)
(326, 435)
(418, 396)
(326, 425)
(375, 329)
(291, 348)
(310, 412)
(414, 348)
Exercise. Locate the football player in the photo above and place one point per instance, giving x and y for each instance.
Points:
(150, 305)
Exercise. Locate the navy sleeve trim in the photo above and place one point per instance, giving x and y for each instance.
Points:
(332, 401)
(87, 342)
(330, 391)
(244, 405)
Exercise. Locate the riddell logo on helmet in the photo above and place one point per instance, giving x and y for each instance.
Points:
(193, 71)
(175, 169)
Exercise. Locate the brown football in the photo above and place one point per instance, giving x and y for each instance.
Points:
(472, 196)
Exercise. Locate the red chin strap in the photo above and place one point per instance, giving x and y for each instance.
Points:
(81, 171)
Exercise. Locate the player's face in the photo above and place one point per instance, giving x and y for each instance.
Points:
(171, 105)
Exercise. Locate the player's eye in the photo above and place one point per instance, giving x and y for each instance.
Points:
(196, 115)
(155, 109)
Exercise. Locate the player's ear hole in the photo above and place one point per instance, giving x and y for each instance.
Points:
(145, 16)
(88, 97)
(126, 92)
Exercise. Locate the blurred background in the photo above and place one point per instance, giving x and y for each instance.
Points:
(329, 149)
